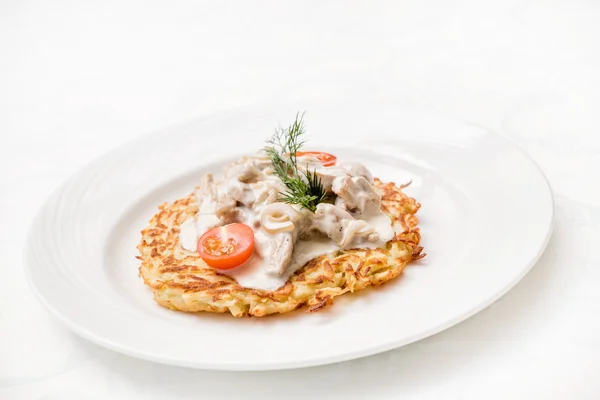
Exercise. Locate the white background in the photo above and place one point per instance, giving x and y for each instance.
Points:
(80, 78)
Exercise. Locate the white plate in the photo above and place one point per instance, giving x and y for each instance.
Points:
(486, 216)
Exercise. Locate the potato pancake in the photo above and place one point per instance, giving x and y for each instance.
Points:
(181, 280)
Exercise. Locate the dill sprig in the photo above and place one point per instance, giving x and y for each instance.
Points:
(303, 187)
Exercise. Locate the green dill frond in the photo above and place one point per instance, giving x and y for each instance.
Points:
(303, 188)
(315, 187)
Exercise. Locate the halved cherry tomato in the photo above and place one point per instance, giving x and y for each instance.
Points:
(227, 247)
(326, 159)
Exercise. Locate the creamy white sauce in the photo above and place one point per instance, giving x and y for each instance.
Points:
(252, 274)
(255, 274)
(306, 250)
(188, 236)
(383, 227)
(205, 222)
(251, 183)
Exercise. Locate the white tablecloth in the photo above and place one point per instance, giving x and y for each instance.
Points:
(80, 78)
